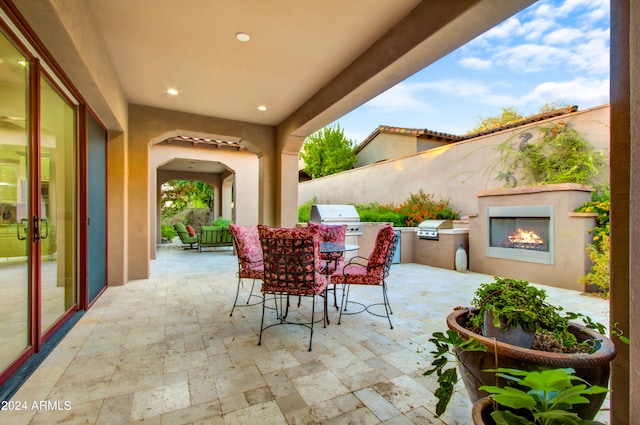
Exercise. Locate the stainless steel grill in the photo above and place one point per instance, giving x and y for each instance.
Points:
(429, 229)
(337, 214)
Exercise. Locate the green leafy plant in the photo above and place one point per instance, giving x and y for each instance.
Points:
(548, 399)
(560, 155)
(375, 212)
(304, 210)
(222, 222)
(518, 303)
(598, 249)
(445, 363)
(168, 232)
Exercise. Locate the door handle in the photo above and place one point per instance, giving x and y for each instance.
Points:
(22, 225)
(44, 227)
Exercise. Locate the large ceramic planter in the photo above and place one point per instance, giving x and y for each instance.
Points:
(594, 368)
(481, 411)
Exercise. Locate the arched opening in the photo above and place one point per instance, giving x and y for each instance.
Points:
(222, 163)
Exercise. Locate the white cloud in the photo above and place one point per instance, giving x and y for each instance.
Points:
(582, 92)
(563, 36)
(475, 63)
(402, 96)
(534, 29)
(504, 30)
(527, 58)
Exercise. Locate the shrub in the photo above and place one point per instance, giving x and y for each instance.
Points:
(375, 212)
(560, 155)
(304, 210)
(168, 232)
(422, 206)
(598, 250)
(222, 222)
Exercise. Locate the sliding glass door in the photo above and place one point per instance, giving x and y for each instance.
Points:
(15, 185)
(57, 218)
(38, 206)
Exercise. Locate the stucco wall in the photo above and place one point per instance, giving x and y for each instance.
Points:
(386, 146)
(456, 172)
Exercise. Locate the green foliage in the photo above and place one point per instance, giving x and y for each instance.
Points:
(549, 396)
(560, 155)
(168, 232)
(445, 362)
(517, 302)
(327, 152)
(376, 213)
(487, 123)
(304, 210)
(598, 250)
(413, 211)
(222, 222)
(422, 206)
(178, 195)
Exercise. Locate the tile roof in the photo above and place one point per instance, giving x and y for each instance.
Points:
(451, 138)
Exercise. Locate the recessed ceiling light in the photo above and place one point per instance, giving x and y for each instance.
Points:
(262, 108)
(172, 92)
(241, 36)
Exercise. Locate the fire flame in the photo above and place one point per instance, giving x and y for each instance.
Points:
(525, 236)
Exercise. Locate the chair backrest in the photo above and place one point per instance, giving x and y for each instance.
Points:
(380, 258)
(247, 245)
(330, 233)
(182, 232)
(291, 260)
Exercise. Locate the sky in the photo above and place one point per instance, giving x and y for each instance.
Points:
(553, 52)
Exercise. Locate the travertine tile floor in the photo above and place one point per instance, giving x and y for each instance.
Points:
(164, 351)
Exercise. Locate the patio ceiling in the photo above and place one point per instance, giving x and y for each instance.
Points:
(334, 54)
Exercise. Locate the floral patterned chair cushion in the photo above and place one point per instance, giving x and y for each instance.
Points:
(292, 261)
(372, 272)
(249, 251)
(331, 233)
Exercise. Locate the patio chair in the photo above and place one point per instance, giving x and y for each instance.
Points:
(292, 266)
(249, 252)
(333, 261)
(185, 237)
(369, 271)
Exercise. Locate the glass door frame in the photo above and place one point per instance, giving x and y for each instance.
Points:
(14, 28)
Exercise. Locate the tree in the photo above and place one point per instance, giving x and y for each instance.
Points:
(327, 152)
(177, 195)
(487, 123)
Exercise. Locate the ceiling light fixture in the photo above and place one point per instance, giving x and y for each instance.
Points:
(241, 36)
(172, 92)
(262, 108)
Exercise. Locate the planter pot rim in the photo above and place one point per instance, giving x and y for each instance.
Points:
(603, 355)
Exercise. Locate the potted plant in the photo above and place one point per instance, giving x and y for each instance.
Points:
(558, 343)
(543, 398)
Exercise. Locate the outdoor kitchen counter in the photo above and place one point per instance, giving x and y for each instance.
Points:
(442, 252)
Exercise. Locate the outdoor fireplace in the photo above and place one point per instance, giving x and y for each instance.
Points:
(523, 233)
(532, 233)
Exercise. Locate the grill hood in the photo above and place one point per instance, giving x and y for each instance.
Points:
(337, 214)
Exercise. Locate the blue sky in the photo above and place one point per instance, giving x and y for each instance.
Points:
(555, 51)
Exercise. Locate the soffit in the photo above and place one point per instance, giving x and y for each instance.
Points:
(296, 48)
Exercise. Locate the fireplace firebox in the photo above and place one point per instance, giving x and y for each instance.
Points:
(521, 233)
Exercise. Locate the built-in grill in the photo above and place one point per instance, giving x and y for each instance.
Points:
(337, 214)
(430, 229)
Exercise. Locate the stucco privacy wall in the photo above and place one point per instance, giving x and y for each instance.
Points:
(145, 125)
(456, 172)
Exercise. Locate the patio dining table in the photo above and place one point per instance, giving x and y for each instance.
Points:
(334, 250)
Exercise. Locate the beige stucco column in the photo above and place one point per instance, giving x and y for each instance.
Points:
(226, 197)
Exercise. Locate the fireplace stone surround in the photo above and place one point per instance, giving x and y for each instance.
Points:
(561, 259)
